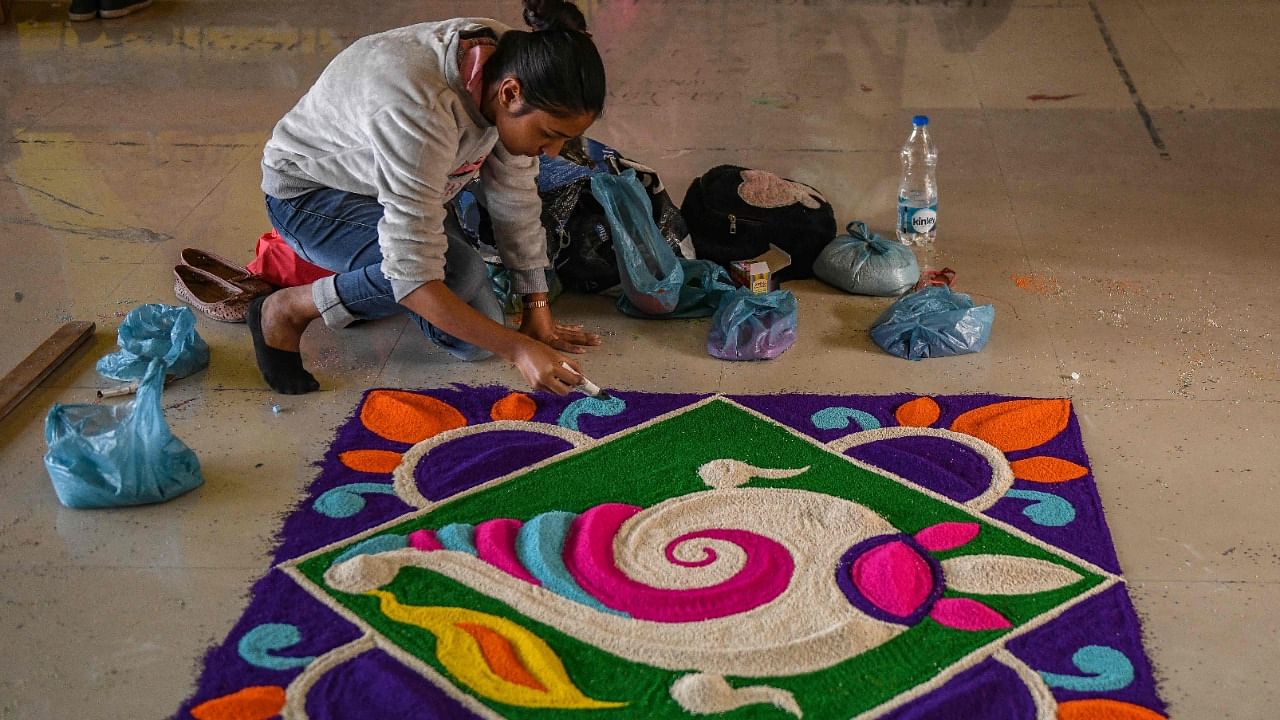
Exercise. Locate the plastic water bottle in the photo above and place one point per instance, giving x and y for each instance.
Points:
(918, 191)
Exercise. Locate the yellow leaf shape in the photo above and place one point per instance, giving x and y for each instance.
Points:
(1045, 469)
(493, 656)
(1103, 709)
(408, 417)
(921, 412)
(371, 461)
(516, 406)
(252, 703)
(1016, 424)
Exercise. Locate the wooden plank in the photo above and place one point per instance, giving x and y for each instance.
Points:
(41, 363)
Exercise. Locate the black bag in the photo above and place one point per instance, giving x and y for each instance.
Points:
(734, 213)
(579, 241)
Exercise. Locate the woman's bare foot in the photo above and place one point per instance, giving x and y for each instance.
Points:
(276, 323)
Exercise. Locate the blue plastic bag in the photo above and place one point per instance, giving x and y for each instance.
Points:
(933, 322)
(651, 273)
(118, 455)
(705, 283)
(156, 332)
(747, 326)
(864, 263)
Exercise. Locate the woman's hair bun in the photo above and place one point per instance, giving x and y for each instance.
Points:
(554, 15)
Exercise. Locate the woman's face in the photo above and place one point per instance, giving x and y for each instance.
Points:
(525, 131)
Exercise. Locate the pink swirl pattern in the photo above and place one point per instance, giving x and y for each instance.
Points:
(589, 557)
(708, 554)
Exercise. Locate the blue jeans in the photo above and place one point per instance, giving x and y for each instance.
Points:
(338, 231)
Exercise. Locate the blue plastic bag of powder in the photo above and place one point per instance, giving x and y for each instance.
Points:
(863, 263)
(747, 326)
(118, 455)
(933, 322)
(651, 273)
(156, 332)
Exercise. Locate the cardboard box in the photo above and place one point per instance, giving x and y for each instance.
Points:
(757, 273)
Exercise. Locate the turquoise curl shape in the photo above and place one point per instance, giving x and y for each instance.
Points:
(1045, 509)
(347, 500)
(590, 406)
(258, 646)
(837, 418)
(1105, 669)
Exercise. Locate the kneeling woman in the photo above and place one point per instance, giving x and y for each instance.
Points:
(359, 174)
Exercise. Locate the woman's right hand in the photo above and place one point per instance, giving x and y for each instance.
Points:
(541, 364)
(543, 367)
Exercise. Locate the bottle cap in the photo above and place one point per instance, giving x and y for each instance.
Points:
(920, 120)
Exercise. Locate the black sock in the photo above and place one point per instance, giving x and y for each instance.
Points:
(281, 369)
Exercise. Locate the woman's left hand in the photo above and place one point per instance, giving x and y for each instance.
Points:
(539, 325)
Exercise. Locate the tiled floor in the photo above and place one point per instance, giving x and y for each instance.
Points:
(123, 141)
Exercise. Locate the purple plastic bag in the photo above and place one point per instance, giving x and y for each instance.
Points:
(747, 326)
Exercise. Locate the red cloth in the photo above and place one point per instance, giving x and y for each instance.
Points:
(279, 265)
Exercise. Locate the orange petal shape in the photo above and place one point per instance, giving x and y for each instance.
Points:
(1045, 469)
(260, 702)
(502, 657)
(1016, 424)
(408, 417)
(1103, 709)
(516, 406)
(371, 461)
(921, 412)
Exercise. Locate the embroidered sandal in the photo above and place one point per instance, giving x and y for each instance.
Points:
(225, 270)
(211, 295)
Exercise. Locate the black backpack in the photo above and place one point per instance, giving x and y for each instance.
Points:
(734, 213)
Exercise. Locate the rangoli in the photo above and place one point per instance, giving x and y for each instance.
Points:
(477, 552)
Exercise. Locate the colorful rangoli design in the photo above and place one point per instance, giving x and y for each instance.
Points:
(473, 552)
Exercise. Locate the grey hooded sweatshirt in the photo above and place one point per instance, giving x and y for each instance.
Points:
(391, 118)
